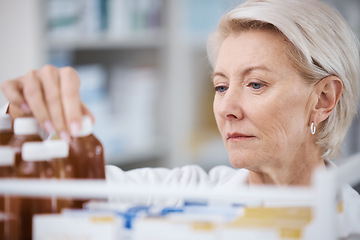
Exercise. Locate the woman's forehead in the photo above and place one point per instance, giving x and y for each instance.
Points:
(253, 49)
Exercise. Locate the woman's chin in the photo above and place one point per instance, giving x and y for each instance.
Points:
(242, 161)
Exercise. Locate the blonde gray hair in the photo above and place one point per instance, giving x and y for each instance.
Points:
(321, 43)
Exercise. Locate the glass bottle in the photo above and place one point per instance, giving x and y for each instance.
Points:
(86, 153)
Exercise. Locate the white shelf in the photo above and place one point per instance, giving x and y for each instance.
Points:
(142, 41)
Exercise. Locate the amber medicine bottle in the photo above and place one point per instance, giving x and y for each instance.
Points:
(87, 153)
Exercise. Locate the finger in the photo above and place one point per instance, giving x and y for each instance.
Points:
(70, 86)
(13, 90)
(33, 94)
(49, 77)
(17, 112)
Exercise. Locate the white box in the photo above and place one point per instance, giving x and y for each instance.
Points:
(87, 226)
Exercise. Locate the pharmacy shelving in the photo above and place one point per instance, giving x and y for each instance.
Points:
(123, 45)
(105, 42)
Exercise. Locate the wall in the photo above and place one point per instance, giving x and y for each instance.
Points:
(21, 38)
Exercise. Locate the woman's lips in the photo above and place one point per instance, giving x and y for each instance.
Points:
(238, 136)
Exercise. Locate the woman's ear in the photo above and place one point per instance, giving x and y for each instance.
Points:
(328, 90)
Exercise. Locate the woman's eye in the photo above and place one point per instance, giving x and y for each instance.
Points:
(220, 89)
(256, 86)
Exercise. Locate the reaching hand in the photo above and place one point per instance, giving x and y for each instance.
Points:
(51, 95)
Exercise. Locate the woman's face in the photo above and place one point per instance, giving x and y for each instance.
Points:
(261, 103)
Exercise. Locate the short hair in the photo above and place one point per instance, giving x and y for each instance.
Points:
(321, 44)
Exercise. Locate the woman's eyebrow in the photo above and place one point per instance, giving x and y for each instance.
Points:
(244, 72)
(250, 69)
(216, 73)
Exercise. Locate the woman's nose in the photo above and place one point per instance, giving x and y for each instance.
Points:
(231, 105)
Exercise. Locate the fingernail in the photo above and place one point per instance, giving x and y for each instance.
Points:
(65, 136)
(74, 127)
(48, 127)
(25, 107)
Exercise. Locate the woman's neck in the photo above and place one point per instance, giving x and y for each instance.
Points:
(297, 171)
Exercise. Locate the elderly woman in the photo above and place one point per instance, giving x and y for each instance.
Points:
(286, 78)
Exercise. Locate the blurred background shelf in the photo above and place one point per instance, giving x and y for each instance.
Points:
(107, 43)
(144, 70)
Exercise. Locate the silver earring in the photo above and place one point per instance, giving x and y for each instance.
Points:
(313, 128)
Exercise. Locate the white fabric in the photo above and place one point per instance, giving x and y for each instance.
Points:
(191, 175)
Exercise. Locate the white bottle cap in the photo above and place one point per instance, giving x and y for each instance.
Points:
(34, 151)
(57, 149)
(7, 156)
(86, 128)
(26, 126)
(5, 122)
